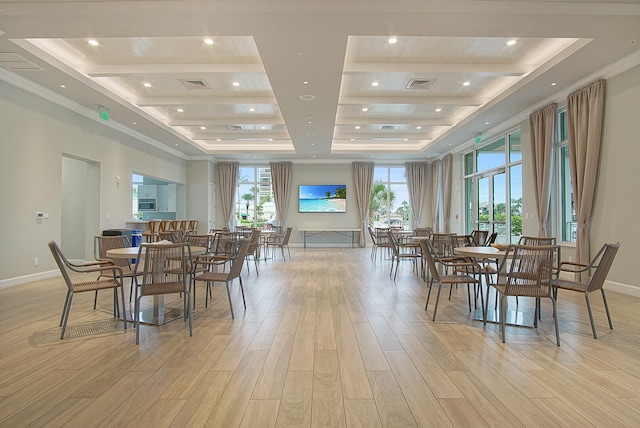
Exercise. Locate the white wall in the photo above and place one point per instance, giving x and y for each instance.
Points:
(34, 136)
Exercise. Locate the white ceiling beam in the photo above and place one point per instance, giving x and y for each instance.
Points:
(342, 121)
(483, 69)
(423, 100)
(226, 121)
(199, 100)
(178, 69)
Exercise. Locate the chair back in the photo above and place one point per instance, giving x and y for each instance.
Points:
(175, 236)
(491, 239)
(184, 224)
(193, 226)
(102, 244)
(422, 231)
(236, 266)
(224, 243)
(199, 241)
(287, 234)
(533, 241)
(606, 255)
(441, 243)
(373, 236)
(431, 258)
(480, 237)
(253, 241)
(165, 268)
(461, 241)
(393, 243)
(382, 238)
(529, 269)
(62, 262)
(164, 226)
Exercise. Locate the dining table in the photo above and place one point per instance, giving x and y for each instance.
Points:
(158, 313)
(482, 254)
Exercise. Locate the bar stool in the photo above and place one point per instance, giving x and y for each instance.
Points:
(151, 234)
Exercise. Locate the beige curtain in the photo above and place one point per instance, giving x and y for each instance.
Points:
(227, 180)
(542, 132)
(585, 115)
(281, 176)
(363, 180)
(417, 179)
(447, 166)
(435, 200)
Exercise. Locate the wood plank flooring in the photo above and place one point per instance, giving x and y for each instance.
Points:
(327, 340)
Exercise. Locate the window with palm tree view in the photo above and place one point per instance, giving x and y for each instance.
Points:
(254, 199)
(389, 206)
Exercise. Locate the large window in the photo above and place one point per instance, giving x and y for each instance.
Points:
(566, 212)
(254, 203)
(493, 188)
(389, 198)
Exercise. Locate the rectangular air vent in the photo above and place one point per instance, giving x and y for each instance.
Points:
(387, 127)
(195, 84)
(419, 83)
(236, 127)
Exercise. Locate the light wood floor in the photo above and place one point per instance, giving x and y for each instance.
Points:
(327, 339)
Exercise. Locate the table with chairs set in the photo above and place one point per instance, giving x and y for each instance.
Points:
(172, 266)
(532, 268)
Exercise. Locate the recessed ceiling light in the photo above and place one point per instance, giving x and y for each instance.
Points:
(314, 156)
(147, 85)
(255, 156)
(236, 84)
(252, 109)
(218, 139)
(203, 127)
(307, 97)
(62, 86)
(180, 110)
(309, 122)
(299, 53)
(393, 40)
(374, 84)
(418, 127)
(365, 109)
(511, 42)
(306, 82)
(353, 139)
(372, 156)
(176, 144)
(466, 83)
(357, 127)
(313, 144)
(270, 139)
(93, 42)
(208, 41)
(438, 110)
(406, 139)
(135, 123)
(553, 84)
(263, 127)
(487, 123)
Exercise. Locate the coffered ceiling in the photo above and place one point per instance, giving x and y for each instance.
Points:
(310, 79)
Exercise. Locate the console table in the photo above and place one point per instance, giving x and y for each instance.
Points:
(306, 233)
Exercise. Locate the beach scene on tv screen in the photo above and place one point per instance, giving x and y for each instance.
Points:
(330, 198)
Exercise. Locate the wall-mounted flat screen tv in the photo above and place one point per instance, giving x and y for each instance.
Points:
(322, 198)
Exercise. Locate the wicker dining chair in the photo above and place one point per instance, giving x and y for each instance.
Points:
(211, 276)
(397, 254)
(80, 283)
(164, 271)
(101, 245)
(602, 264)
(526, 271)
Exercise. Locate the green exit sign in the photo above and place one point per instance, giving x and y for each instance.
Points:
(104, 114)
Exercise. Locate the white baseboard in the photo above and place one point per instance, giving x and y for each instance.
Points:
(617, 287)
(6, 283)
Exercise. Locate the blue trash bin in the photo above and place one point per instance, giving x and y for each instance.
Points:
(136, 237)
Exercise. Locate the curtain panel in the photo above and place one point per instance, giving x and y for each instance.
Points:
(585, 116)
(542, 132)
(417, 183)
(363, 180)
(447, 165)
(435, 199)
(227, 173)
(281, 176)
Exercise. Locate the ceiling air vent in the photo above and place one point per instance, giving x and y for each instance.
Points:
(15, 62)
(387, 127)
(419, 84)
(236, 127)
(195, 84)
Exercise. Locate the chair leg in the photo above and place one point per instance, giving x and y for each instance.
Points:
(64, 308)
(65, 314)
(435, 309)
(593, 324)
(136, 318)
(555, 318)
(229, 297)
(503, 316)
(242, 290)
(426, 305)
(606, 308)
(124, 309)
(95, 300)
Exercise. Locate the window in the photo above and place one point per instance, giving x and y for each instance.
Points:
(493, 177)
(389, 205)
(567, 213)
(254, 203)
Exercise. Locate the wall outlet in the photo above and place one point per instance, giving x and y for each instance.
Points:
(35, 261)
